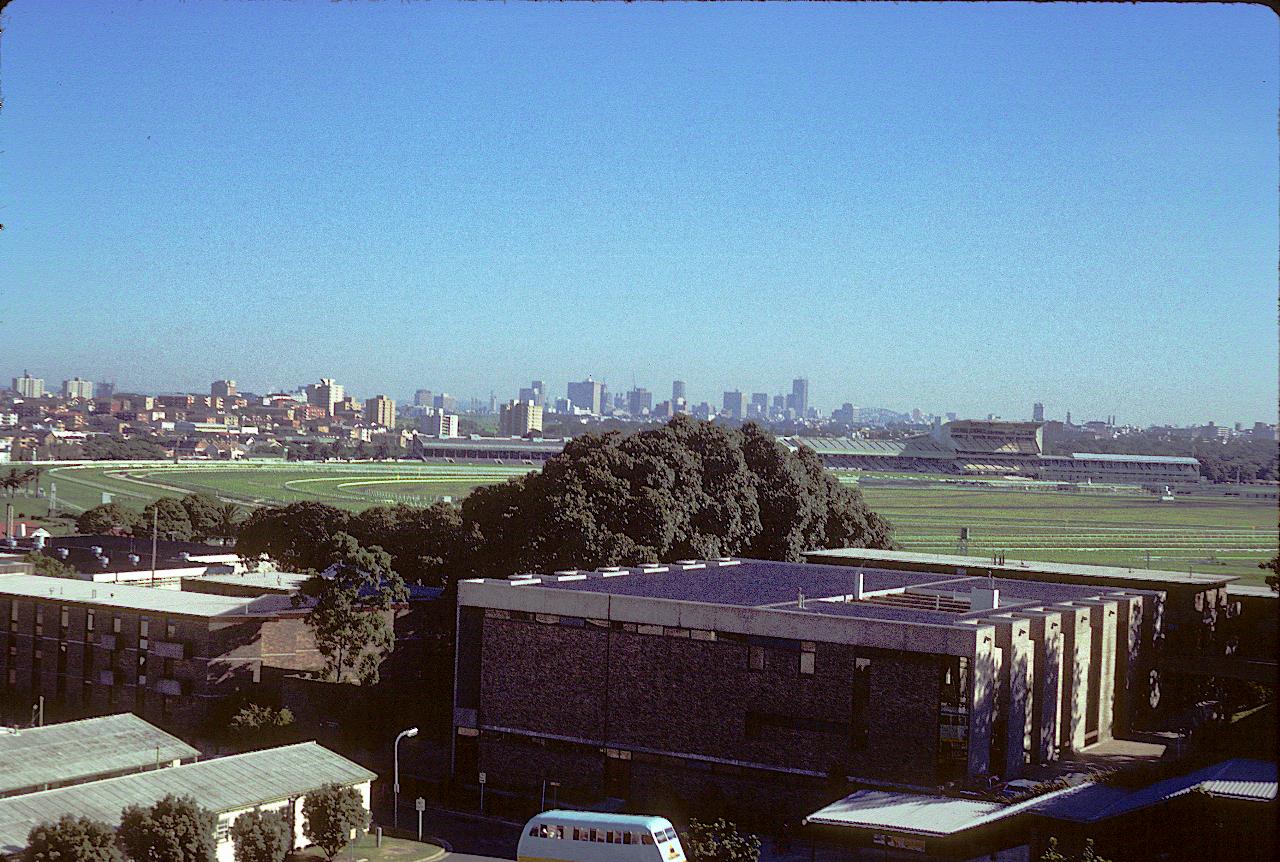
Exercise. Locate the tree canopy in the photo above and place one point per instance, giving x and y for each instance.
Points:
(174, 829)
(295, 536)
(330, 814)
(49, 567)
(719, 842)
(351, 617)
(107, 518)
(261, 836)
(172, 522)
(72, 839)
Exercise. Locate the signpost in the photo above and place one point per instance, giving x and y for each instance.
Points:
(421, 805)
(482, 778)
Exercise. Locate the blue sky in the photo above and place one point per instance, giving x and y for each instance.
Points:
(954, 207)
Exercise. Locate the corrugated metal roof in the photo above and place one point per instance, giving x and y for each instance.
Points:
(222, 784)
(1252, 780)
(58, 753)
(1139, 459)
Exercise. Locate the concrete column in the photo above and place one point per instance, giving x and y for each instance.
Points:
(1016, 680)
(1128, 651)
(1045, 635)
(984, 679)
(1077, 637)
(1103, 616)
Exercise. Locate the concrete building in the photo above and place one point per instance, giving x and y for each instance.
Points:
(798, 400)
(171, 657)
(678, 394)
(273, 779)
(75, 388)
(1037, 412)
(518, 418)
(759, 406)
(535, 392)
(74, 752)
(29, 387)
(223, 389)
(587, 395)
(380, 410)
(735, 404)
(765, 679)
(501, 450)
(442, 425)
(326, 394)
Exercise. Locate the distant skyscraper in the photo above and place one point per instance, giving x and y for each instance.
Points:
(28, 386)
(326, 394)
(1037, 412)
(759, 404)
(735, 404)
(639, 401)
(678, 392)
(518, 418)
(446, 402)
(77, 388)
(104, 390)
(779, 403)
(799, 398)
(223, 389)
(380, 410)
(587, 395)
(951, 417)
(537, 393)
(422, 398)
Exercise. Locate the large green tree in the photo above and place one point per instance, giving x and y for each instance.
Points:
(174, 829)
(169, 518)
(296, 537)
(49, 567)
(204, 511)
(260, 726)
(72, 839)
(261, 836)
(352, 606)
(108, 518)
(420, 540)
(330, 815)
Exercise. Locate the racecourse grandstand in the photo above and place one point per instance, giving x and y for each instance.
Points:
(490, 450)
(978, 448)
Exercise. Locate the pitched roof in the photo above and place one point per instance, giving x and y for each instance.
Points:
(79, 750)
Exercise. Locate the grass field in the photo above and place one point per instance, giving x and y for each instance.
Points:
(1125, 527)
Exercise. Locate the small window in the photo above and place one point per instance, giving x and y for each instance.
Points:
(115, 625)
(755, 657)
(628, 837)
(171, 631)
(609, 837)
(533, 831)
(646, 838)
(577, 834)
(65, 618)
(806, 663)
(88, 621)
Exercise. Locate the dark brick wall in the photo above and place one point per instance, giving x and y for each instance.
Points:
(669, 693)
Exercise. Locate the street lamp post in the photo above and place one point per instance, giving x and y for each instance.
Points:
(395, 805)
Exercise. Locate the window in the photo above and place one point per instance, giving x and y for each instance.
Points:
(646, 839)
(171, 631)
(628, 837)
(755, 657)
(144, 630)
(115, 625)
(65, 617)
(808, 651)
(88, 621)
(39, 620)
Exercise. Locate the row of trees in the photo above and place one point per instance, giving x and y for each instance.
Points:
(687, 489)
(1250, 460)
(195, 517)
(28, 478)
(177, 829)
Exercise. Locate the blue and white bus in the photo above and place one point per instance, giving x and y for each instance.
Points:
(586, 836)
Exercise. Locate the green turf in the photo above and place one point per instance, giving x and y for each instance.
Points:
(1213, 534)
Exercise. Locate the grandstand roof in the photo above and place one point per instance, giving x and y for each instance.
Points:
(1141, 459)
(921, 446)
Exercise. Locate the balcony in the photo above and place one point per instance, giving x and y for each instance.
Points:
(167, 649)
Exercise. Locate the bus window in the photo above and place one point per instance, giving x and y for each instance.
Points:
(597, 835)
(533, 831)
(577, 834)
(646, 838)
(627, 837)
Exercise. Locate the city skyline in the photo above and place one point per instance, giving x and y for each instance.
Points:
(963, 208)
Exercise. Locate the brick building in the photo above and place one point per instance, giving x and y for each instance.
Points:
(759, 683)
(171, 657)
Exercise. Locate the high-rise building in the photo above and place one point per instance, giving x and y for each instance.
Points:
(422, 398)
(28, 386)
(380, 410)
(951, 417)
(536, 392)
(442, 425)
(779, 403)
(78, 389)
(735, 404)
(759, 404)
(104, 390)
(798, 400)
(223, 389)
(518, 418)
(639, 401)
(326, 394)
(445, 402)
(587, 395)
(1037, 412)
(678, 392)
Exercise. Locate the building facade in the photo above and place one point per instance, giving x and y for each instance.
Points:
(29, 387)
(518, 418)
(587, 395)
(380, 410)
(766, 680)
(81, 390)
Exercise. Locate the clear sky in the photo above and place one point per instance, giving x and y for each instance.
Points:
(953, 207)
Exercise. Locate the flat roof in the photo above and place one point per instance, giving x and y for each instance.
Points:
(221, 784)
(1249, 780)
(921, 814)
(266, 581)
(1141, 578)
(58, 753)
(826, 589)
(175, 602)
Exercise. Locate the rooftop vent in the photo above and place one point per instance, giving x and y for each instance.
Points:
(567, 572)
(96, 550)
(104, 561)
(984, 598)
(134, 559)
(62, 553)
(610, 569)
